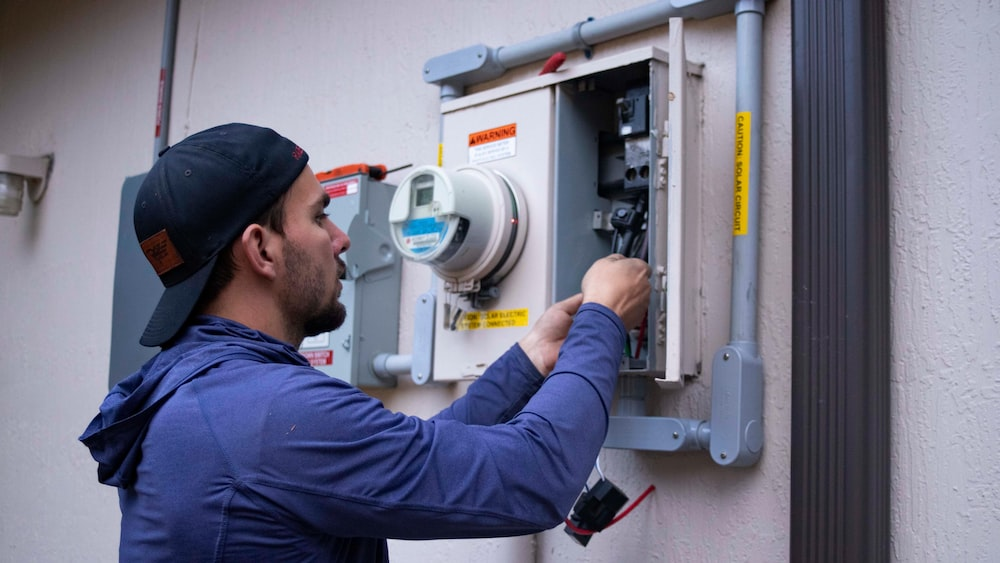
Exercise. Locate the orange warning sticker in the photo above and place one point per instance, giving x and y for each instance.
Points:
(493, 135)
(493, 144)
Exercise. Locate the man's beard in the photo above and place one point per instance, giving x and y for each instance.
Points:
(316, 312)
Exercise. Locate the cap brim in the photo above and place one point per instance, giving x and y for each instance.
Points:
(175, 306)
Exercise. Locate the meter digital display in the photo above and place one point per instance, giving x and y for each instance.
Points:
(469, 224)
(425, 195)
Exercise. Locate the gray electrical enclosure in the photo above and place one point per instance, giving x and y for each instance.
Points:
(360, 206)
(136, 293)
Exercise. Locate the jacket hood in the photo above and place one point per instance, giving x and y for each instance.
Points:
(115, 435)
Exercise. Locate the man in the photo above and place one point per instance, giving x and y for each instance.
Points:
(227, 445)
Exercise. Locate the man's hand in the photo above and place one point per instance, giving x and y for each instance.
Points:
(542, 343)
(620, 284)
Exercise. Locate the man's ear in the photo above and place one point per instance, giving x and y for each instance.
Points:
(260, 248)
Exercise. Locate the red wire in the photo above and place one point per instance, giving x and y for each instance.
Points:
(578, 530)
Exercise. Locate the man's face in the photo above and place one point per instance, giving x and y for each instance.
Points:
(311, 285)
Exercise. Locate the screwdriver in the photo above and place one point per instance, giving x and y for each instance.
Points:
(373, 171)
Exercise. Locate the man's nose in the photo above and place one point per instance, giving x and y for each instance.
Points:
(341, 242)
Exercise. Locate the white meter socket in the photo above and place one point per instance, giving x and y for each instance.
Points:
(468, 224)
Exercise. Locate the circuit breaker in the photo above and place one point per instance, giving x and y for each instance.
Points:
(359, 205)
(589, 151)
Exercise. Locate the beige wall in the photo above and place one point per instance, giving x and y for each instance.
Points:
(343, 80)
(944, 132)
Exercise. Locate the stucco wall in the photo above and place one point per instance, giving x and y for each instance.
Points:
(944, 132)
(343, 79)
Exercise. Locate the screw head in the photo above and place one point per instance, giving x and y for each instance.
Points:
(676, 435)
(725, 357)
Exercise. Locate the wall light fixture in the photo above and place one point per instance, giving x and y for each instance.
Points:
(19, 174)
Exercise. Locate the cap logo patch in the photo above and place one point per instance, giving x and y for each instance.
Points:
(161, 253)
(297, 152)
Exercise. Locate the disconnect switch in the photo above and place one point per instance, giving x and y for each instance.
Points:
(360, 204)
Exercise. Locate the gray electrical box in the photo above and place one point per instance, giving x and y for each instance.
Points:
(360, 206)
(136, 293)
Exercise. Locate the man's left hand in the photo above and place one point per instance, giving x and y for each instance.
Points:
(542, 343)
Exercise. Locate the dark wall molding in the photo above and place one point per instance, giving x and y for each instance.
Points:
(840, 344)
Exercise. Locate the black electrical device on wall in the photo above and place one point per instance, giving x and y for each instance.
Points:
(594, 510)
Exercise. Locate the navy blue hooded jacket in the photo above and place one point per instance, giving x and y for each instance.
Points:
(228, 446)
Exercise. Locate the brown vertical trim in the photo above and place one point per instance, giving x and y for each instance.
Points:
(840, 268)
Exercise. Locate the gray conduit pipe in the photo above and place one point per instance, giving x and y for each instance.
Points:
(166, 78)
(392, 364)
(479, 63)
(749, 39)
(737, 369)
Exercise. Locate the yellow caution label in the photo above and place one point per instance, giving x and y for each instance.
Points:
(477, 320)
(440, 154)
(741, 182)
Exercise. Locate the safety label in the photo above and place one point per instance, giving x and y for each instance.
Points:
(341, 188)
(493, 144)
(476, 320)
(741, 182)
(319, 357)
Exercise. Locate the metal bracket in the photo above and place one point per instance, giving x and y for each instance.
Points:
(423, 338)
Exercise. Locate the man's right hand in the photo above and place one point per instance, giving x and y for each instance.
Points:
(620, 284)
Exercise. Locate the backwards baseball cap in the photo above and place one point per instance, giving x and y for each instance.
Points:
(197, 198)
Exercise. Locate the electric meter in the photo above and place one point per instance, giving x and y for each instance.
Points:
(468, 224)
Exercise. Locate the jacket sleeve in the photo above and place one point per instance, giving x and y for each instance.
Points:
(499, 394)
(335, 460)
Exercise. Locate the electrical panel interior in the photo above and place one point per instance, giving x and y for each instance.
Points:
(607, 173)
